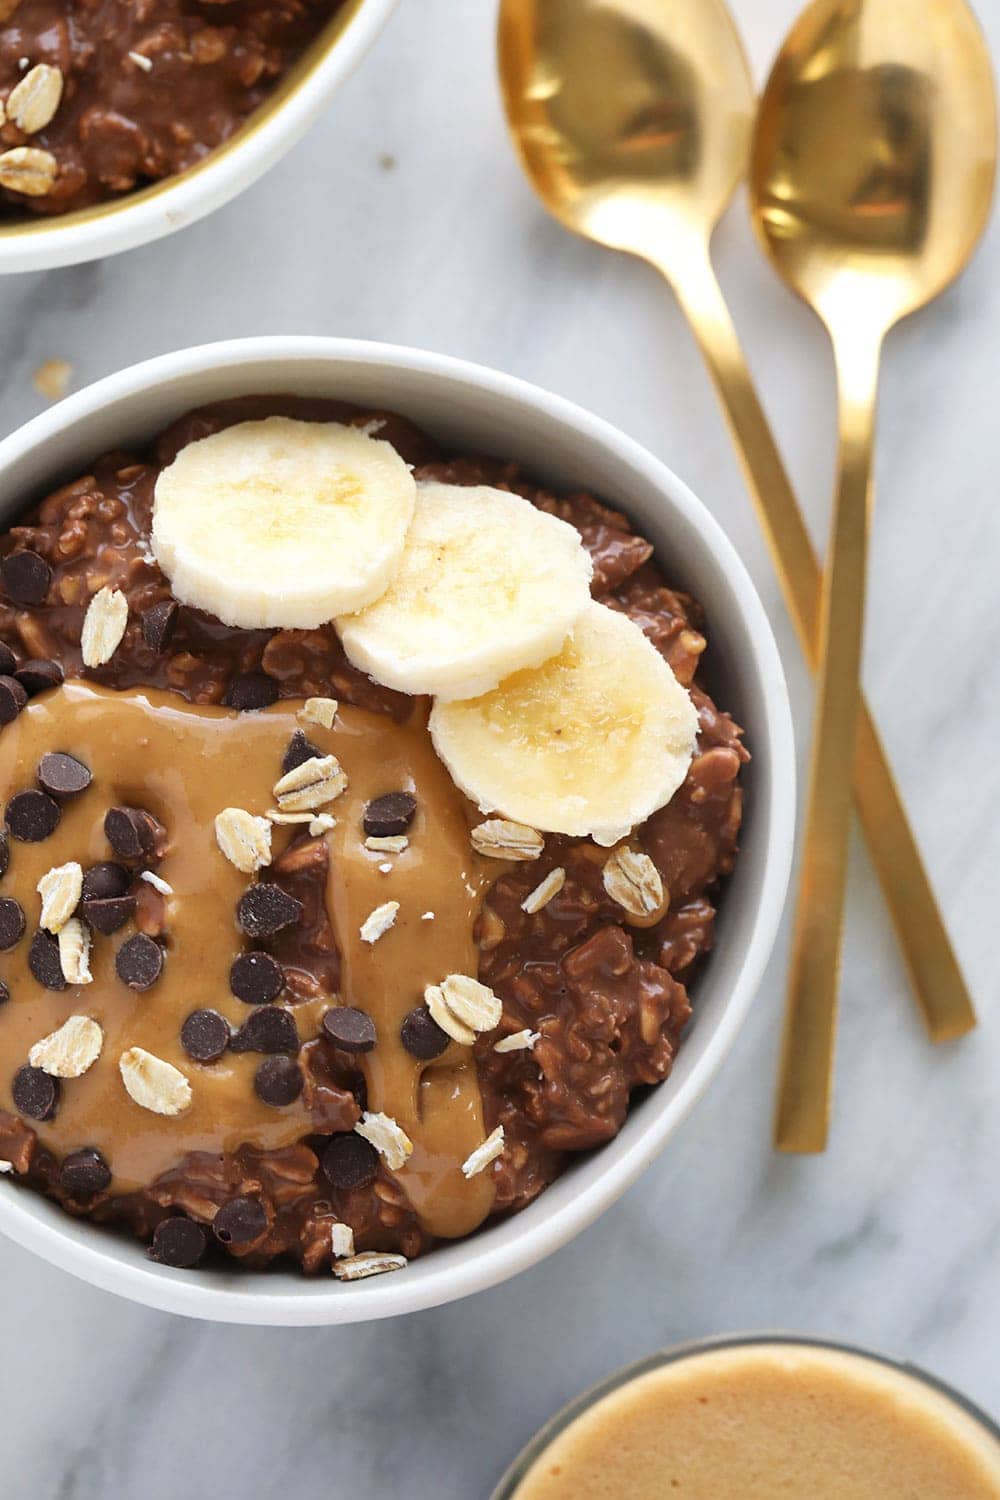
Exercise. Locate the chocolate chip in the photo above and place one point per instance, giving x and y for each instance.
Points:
(109, 914)
(239, 1221)
(32, 816)
(251, 690)
(349, 1161)
(178, 1242)
(266, 909)
(84, 1173)
(139, 962)
(269, 1029)
(63, 775)
(11, 923)
(38, 675)
(278, 1081)
(4, 993)
(421, 1035)
(299, 751)
(205, 1035)
(256, 978)
(4, 851)
(26, 577)
(35, 1093)
(158, 624)
(389, 815)
(131, 831)
(8, 661)
(105, 880)
(43, 961)
(12, 699)
(349, 1029)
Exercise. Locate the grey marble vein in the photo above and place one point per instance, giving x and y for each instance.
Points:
(891, 1238)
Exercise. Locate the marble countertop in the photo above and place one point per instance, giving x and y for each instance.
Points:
(422, 232)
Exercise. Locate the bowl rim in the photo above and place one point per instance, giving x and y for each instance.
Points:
(157, 210)
(242, 1299)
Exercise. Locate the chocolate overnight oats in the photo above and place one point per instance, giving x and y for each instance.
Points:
(335, 940)
(99, 97)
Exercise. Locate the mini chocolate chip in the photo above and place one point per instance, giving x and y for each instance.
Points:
(12, 699)
(108, 915)
(269, 1029)
(205, 1035)
(32, 816)
(26, 577)
(4, 851)
(8, 661)
(105, 880)
(256, 978)
(266, 909)
(63, 775)
(4, 993)
(278, 1081)
(251, 690)
(131, 831)
(158, 624)
(84, 1173)
(11, 923)
(349, 1161)
(349, 1029)
(139, 962)
(422, 1036)
(389, 815)
(38, 675)
(43, 961)
(239, 1221)
(35, 1093)
(178, 1242)
(299, 751)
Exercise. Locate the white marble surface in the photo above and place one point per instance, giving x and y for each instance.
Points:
(893, 1237)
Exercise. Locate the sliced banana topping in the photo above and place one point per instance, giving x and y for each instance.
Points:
(487, 584)
(281, 522)
(592, 742)
(70, 1051)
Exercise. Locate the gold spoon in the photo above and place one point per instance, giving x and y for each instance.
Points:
(633, 121)
(871, 181)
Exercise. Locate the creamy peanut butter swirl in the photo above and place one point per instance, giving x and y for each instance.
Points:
(185, 763)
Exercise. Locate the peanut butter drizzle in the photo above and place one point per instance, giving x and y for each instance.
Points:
(184, 763)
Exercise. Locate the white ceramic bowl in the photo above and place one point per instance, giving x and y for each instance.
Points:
(39, 244)
(470, 408)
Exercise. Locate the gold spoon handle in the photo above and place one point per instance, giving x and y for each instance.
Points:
(806, 1075)
(937, 979)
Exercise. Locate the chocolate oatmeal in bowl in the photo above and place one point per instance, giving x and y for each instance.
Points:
(367, 814)
(121, 121)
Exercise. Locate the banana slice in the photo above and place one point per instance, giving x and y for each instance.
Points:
(281, 522)
(487, 584)
(591, 742)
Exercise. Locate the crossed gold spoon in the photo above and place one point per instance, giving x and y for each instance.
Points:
(634, 120)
